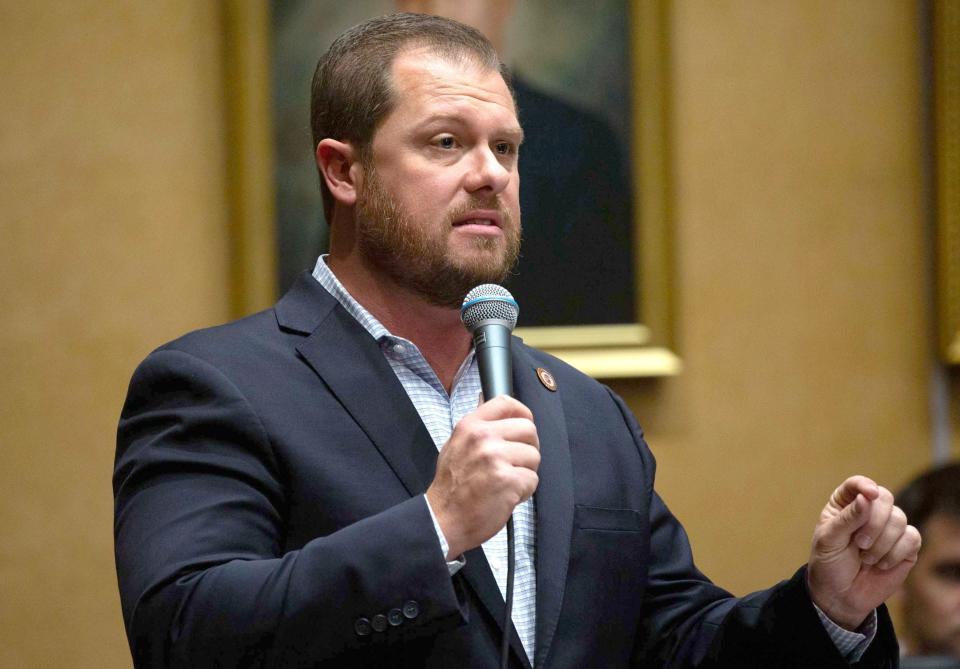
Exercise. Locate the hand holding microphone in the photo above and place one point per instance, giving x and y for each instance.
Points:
(489, 464)
(487, 468)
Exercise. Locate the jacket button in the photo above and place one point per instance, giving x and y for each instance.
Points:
(395, 617)
(362, 627)
(379, 622)
(411, 610)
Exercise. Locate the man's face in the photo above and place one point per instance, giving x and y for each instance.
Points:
(438, 208)
(932, 591)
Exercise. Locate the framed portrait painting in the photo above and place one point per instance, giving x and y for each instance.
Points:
(593, 278)
(945, 55)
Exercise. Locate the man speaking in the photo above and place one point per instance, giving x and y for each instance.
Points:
(319, 485)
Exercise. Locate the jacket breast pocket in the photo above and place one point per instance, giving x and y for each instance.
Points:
(607, 577)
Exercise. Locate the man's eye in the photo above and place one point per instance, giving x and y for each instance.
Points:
(503, 148)
(447, 142)
(948, 572)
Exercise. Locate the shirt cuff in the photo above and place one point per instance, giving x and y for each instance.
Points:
(452, 566)
(852, 645)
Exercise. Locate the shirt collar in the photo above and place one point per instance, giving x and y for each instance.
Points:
(327, 279)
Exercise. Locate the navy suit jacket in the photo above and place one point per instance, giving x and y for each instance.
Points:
(268, 484)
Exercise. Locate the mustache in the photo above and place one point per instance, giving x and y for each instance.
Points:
(479, 202)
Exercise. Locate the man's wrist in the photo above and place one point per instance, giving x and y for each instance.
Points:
(457, 562)
(851, 644)
(848, 620)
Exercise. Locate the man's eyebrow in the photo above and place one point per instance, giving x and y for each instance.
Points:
(513, 132)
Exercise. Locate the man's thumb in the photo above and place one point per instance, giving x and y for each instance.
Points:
(836, 532)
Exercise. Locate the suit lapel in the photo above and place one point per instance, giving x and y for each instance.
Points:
(352, 365)
(478, 574)
(554, 507)
(554, 496)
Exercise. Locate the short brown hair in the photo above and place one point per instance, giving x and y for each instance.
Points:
(934, 492)
(352, 90)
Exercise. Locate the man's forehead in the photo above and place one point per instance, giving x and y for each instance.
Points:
(421, 71)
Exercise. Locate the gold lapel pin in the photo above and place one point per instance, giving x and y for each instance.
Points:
(546, 378)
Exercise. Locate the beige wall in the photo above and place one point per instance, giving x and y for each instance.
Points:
(801, 277)
(802, 272)
(113, 239)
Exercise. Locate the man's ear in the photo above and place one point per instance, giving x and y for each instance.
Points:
(338, 163)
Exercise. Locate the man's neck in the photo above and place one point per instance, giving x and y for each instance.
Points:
(436, 331)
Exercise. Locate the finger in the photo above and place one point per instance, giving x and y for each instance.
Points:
(836, 531)
(905, 550)
(502, 406)
(880, 510)
(527, 482)
(515, 483)
(515, 429)
(522, 455)
(484, 437)
(889, 535)
(853, 486)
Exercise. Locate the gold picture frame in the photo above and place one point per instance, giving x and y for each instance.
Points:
(946, 102)
(641, 349)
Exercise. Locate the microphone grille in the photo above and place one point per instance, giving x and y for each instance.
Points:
(488, 301)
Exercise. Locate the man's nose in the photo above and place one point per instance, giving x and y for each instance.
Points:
(487, 172)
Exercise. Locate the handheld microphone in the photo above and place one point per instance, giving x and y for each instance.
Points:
(490, 313)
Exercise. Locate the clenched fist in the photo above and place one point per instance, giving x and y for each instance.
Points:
(863, 548)
(488, 467)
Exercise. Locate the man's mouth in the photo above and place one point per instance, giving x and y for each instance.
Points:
(474, 221)
(485, 218)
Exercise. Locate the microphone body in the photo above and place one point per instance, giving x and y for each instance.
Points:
(489, 312)
(491, 343)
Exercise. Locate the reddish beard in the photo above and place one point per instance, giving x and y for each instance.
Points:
(416, 255)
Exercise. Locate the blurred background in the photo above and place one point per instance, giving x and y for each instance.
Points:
(803, 275)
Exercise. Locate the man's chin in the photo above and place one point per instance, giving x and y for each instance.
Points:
(477, 274)
(447, 287)
(487, 265)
